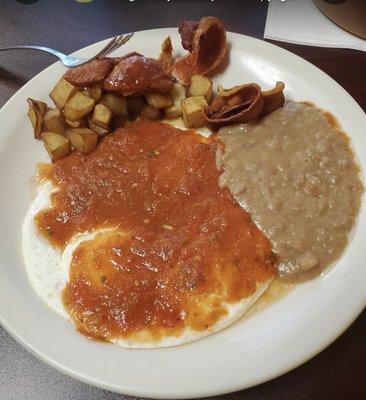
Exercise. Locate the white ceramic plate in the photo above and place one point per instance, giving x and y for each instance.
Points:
(250, 352)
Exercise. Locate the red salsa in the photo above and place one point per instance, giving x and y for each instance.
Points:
(173, 246)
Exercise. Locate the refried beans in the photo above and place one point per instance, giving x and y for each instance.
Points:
(295, 173)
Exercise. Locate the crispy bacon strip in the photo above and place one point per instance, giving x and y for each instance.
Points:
(274, 98)
(187, 30)
(166, 59)
(91, 73)
(95, 71)
(240, 104)
(208, 49)
(116, 60)
(137, 75)
(244, 103)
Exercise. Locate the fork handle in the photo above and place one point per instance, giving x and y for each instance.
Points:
(41, 48)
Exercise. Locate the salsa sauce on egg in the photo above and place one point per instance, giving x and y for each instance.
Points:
(171, 248)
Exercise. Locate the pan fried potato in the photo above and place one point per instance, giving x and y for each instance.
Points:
(53, 121)
(193, 111)
(178, 93)
(58, 146)
(119, 121)
(177, 122)
(36, 113)
(200, 86)
(158, 101)
(80, 123)
(62, 92)
(117, 104)
(102, 116)
(97, 129)
(134, 106)
(83, 140)
(150, 113)
(78, 106)
(94, 91)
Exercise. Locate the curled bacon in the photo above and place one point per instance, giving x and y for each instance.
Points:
(95, 71)
(90, 73)
(239, 104)
(136, 75)
(208, 48)
(274, 98)
(187, 30)
(166, 59)
(243, 103)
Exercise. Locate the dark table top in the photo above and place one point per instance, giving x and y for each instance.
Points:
(336, 373)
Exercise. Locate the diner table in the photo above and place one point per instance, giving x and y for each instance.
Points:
(338, 372)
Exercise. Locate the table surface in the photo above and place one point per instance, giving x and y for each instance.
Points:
(336, 373)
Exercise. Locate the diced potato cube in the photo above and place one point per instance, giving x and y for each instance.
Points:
(53, 121)
(80, 123)
(157, 100)
(117, 104)
(58, 146)
(62, 92)
(193, 111)
(94, 91)
(150, 113)
(177, 122)
(205, 131)
(102, 116)
(36, 113)
(178, 93)
(97, 129)
(200, 86)
(129, 122)
(83, 140)
(120, 121)
(134, 106)
(78, 106)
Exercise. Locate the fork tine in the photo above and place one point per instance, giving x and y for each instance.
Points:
(112, 45)
(119, 42)
(105, 49)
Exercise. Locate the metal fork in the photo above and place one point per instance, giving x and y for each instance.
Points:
(72, 62)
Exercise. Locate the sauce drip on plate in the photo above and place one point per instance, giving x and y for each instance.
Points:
(172, 247)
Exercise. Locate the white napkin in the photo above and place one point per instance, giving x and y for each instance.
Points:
(300, 21)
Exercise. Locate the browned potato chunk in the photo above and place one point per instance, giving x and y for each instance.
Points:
(134, 105)
(102, 116)
(117, 104)
(36, 113)
(97, 129)
(83, 140)
(80, 123)
(193, 114)
(150, 113)
(57, 145)
(177, 122)
(94, 91)
(78, 106)
(178, 93)
(62, 92)
(200, 86)
(120, 121)
(157, 100)
(53, 121)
